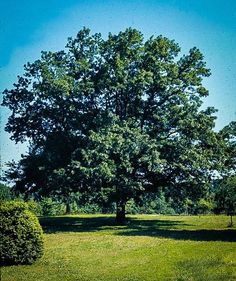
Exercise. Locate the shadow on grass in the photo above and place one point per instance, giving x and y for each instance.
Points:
(195, 235)
(76, 224)
(135, 227)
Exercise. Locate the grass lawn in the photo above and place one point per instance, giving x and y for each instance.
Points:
(149, 247)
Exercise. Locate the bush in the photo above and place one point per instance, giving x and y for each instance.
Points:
(51, 208)
(5, 193)
(21, 238)
(35, 207)
(89, 208)
(204, 206)
(131, 207)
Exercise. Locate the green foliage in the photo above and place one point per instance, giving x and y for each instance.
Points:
(5, 193)
(131, 207)
(85, 203)
(118, 159)
(228, 134)
(35, 207)
(50, 207)
(204, 206)
(21, 234)
(226, 195)
(155, 203)
(89, 209)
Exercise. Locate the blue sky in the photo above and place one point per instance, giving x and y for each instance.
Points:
(28, 27)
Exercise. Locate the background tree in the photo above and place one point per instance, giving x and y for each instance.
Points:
(226, 197)
(228, 139)
(5, 193)
(119, 113)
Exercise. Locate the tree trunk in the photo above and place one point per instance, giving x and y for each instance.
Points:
(231, 221)
(120, 212)
(68, 210)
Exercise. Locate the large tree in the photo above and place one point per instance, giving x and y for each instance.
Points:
(120, 116)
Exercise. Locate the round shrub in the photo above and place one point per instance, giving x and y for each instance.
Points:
(21, 238)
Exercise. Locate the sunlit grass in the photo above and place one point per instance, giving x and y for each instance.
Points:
(148, 247)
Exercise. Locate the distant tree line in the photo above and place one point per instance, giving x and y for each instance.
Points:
(220, 200)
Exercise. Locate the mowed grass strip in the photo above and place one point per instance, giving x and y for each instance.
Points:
(148, 247)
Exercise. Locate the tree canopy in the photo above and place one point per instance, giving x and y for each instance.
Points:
(117, 117)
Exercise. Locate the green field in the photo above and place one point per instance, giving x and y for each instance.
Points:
(148, 247)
